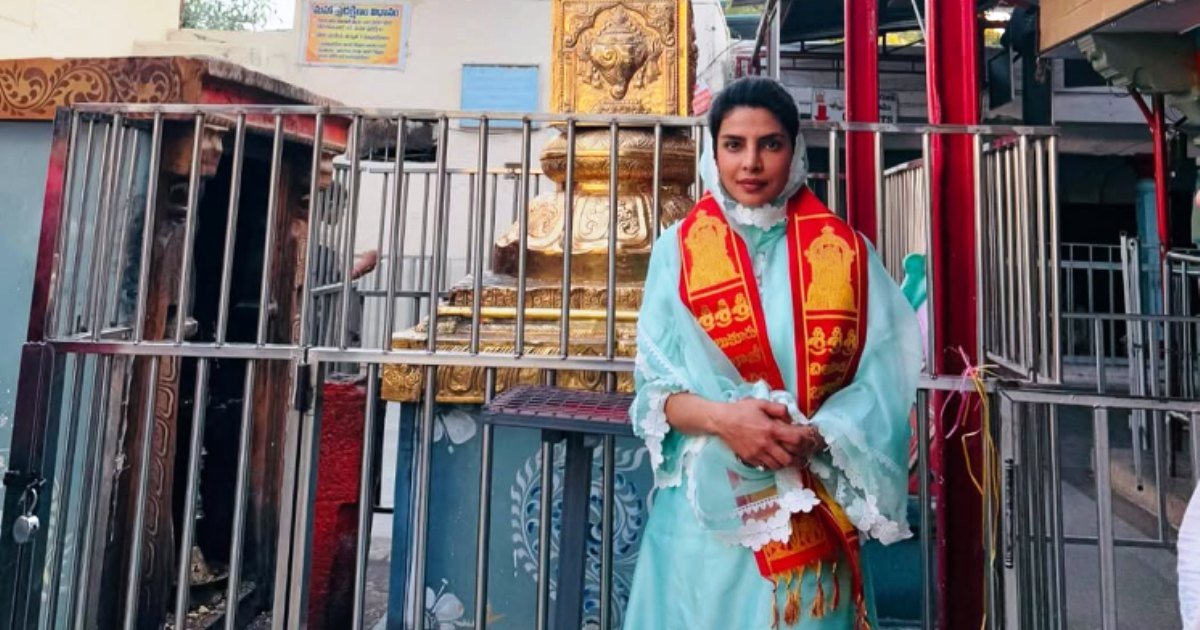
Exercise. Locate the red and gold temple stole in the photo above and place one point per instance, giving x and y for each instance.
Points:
(828, 272)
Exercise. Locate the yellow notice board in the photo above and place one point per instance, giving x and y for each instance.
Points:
(356, 34)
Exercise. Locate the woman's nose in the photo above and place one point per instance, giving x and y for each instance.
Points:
(753, 161)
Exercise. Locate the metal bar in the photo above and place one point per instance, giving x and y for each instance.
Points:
(1157, 429)
(64, 228)
(1108, 586)
(315, 220)
(80, 236)
(351, 230)
(606, 533)
(1194, 433)
(492, 217)
(170, 349)
(422, 263)
(1055, 255)
(97, 434)
(1012, 559)
(264, 292)
(1058, 557)
(931, 344)
(610, 324)
(1037, 519)
(1043, 352)
(291, 605)
(471, 218)
(564, 331)
(1008, 224)
(544, 527)
(235, 195)
(1101, 375)
(835, 184)
(1126, 543)
(1024, 258)
(523, 240)
(101, 251)
(878, 175)
(980, 246)
(444, 245)
(656, 182)
(123, 225)
(365, 499)
(381, 227)
(603, 119)
(184, 299)
(439, 221)
(423, 456)
(477, 269)
(396, 238)
(183, 576)
(241, 488)
(485, 509)
(134, 579)
(926, 518)
(74, 412)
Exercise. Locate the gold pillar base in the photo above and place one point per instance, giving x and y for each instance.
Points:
(464, 384)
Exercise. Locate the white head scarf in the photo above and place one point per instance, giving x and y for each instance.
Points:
(763, 217)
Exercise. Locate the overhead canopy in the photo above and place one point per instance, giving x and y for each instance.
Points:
(809, 20)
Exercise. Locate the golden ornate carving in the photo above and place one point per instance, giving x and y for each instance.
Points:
(589, 236)
(627, 57)
(31, 89)
(832, 260)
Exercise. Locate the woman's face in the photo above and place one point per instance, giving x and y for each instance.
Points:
(754, 155)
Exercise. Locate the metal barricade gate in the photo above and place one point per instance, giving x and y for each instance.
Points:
(190, 294)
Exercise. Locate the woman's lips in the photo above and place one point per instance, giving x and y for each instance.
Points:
(751, 185)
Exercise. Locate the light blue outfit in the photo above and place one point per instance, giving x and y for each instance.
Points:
(696, 568)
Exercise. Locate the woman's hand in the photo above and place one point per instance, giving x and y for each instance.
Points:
(760, 433)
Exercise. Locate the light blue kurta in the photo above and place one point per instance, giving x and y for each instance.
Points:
(690, 575)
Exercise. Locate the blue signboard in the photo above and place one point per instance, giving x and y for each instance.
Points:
(498, 88)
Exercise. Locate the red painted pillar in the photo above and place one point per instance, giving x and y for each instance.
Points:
(952, 75)
(862, 105)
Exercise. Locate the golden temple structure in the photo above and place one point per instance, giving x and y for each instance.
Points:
(626, 57)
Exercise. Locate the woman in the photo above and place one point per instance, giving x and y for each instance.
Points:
(1189, 564)
(777, 363)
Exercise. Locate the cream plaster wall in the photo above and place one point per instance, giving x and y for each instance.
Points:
(82, 28)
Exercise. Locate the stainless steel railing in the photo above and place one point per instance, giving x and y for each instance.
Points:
(258, 282)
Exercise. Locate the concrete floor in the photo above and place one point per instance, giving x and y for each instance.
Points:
(1147, 595)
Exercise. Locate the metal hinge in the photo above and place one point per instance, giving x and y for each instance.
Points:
(302, 388)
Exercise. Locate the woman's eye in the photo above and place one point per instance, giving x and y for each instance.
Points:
(773, 145)
(732, 146)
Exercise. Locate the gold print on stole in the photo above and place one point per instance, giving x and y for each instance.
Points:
(819, 344)
(741, 309)
(724, 315)
(831, 288)
(711, 264)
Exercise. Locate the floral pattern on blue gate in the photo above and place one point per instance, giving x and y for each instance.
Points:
(629, 512)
